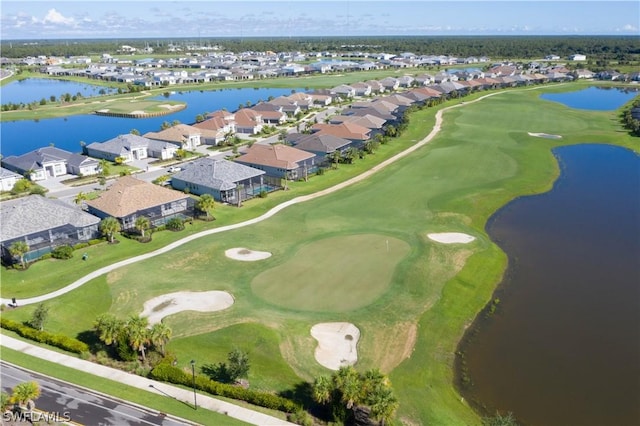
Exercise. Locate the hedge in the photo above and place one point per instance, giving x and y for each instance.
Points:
(168, 373)
(58, 340)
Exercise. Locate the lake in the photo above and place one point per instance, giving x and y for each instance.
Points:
(593, 98)
(34, 89)
(564, 344)
(19, 137)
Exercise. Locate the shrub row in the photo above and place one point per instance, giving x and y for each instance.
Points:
(168, 373)
(58, 340)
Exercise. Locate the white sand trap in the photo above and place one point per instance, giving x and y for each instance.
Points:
(203, 301)
(545, 135)
(337, 344)
(451, 238)
(137, 112)
(167, 106)
(241, 253)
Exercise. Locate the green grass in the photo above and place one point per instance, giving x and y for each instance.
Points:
(157, 402)
(337, 274)
(482, 159)
(257, 340)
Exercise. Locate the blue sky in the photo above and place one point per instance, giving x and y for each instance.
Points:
(60, 19)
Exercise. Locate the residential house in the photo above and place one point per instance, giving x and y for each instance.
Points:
(390, 83)
(130, 147)
(355, 133)
(373, 123)
(321, 144)
(361, 89)
(289, 106)
(216, 127)
(43, 223)
(50, 162)
(8, 179)
(184, 136)
(248, 121)
(129, 198)
(226, 181)
(376, 86)
(343, 91)
(279, 161)
(303, 100)
(271, 114)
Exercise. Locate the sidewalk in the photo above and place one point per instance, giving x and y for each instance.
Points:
(204, 401)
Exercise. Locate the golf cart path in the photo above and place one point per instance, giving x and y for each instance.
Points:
(106, 269)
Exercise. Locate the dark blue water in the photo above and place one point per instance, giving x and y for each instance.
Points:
(594, 98)
(564, 345)
(34, 89)
(19, 137)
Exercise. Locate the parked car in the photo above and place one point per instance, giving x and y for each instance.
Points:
(174, 169)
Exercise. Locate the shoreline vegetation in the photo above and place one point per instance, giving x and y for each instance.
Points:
(461, 281)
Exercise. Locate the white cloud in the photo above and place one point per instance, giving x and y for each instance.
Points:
(55, 17)
(629, 28)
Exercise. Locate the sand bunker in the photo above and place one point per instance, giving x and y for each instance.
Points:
(545, 135)
(337, 344)
(451, 238)
(241, 253)
(137, 112)
(167, 106)
(203, 301)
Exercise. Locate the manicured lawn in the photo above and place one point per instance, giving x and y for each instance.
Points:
(412, 320)
(338, 274)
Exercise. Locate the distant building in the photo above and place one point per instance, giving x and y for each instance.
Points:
(578, 57)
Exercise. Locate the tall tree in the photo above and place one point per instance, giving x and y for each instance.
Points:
(109, 226)
(105, 168)
(206, 204)
(347, 381)
(138, 334)
(108, 328)
(39, 317)
(19, 249)
(142, 224)
(80, 198)
(159, 335)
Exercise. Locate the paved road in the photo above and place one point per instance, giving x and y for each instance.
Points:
(79, 405)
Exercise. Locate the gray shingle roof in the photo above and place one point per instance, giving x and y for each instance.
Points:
(218, 174)
(4, 174)
(120, 143)
(34, 160)
(34, 213)
(321, 143)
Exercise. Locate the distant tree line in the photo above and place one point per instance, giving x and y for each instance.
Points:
(621, 48)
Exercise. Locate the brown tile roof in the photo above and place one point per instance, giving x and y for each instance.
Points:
(129, 195)
(177, 133)
(345, 130)
(281, 156)
(213, 123)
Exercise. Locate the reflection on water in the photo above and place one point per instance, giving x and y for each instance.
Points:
(564, 345)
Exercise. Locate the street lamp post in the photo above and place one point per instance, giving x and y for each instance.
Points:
(193, 373)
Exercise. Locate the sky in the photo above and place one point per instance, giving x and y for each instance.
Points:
(73, 19)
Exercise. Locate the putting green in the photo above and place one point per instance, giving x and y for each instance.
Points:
(337, 274)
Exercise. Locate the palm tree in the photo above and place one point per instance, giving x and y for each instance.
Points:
(108, 328)
(109, 226)
(347, 381)
(206, 203)
(19, 249)
(80, 198)
(322, 389)
(138, 334)
(142, 224)
(383, 404)
(334, 158)
(104, 168)
(159, 335)
(25, 392)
